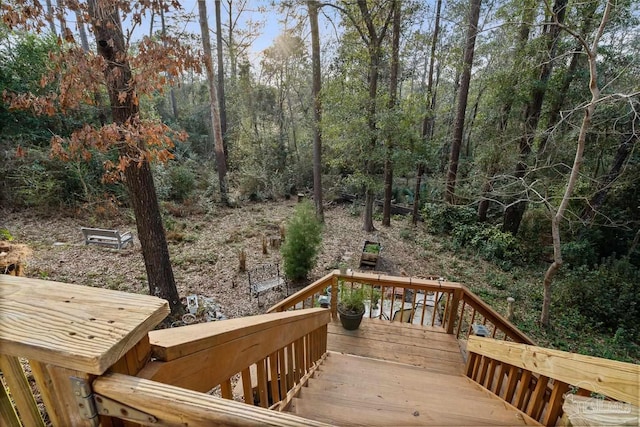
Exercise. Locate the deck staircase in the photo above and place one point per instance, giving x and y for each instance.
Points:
(350, 390)
(397, 374)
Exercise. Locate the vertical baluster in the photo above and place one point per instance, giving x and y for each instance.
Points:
(307, 351)
(413, 306)
(536, 402)
(495, 329)
(299, 353)
(462, 316)
(491, 374)
(282, 368)
(471, 363)
(382, 292)
(20, 390)
(225, 389)
(290, 368)
(393, 303)
(512, 382)
(504, 370)
(483, 370)
(273, 378)
(262, 384)
(555, 403)
(246, 386)
(473, 319)
(523, 388)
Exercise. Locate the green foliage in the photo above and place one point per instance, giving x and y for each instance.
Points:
(608, 295)
(5, 235)
(443, 217)
(302, 242)
(183, 182)
(352, 298)
(489, 241)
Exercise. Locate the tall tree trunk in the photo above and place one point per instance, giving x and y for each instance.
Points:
(393, 93)
(316, 87)
(597, 200)
(467, 63)
(429, 117)
(528, 12)
(575, 170)
(107, 29)
(172, 92)
(84, 41)
(50, 18)
(221, 94)
(216, 130)
(514, 212)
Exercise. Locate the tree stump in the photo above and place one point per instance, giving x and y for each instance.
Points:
(274, 242)
(13, 257)
(264, 246)
(242, 260)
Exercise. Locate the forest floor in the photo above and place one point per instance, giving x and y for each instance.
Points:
(204, 250)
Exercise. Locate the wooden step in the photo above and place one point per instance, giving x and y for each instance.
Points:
(370, 408)
(432, 359)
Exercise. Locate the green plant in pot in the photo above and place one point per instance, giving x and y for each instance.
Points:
(351, 307)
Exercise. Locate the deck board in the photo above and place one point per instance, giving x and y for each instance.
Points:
(357, 391)
(398, 374)
(427, 347)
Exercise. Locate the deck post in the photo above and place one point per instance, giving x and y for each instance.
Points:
(452, 315)
(334, 298)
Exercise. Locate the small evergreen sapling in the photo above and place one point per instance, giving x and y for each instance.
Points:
(302, 242)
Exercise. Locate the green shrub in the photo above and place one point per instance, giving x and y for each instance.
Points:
(182, 183)
(489, 241)
(302, 242)
(608, 295)
(443, 218)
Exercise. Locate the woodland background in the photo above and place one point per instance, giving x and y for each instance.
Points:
(470, 111)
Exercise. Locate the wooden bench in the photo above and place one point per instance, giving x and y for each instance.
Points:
(110, 238)
(263, 278)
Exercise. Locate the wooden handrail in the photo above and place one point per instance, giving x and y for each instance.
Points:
(175, 406)
(617, 380)
(535, 379)
(509, 329)
(459, 303)
(200, 357)
(309, 291)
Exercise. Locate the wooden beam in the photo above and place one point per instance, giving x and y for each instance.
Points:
(617, 380)
(72, 326)
(173, 343)
(175, 406)
(207, 368)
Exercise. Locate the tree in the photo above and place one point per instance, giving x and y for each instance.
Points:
(558, 214)
(221, 96)
(429, 118)
(107, 29)
(463, 93)
(365, 24)
(393, 94)
(216, 129)
(514, 212)
(75, 77)
(316, 87)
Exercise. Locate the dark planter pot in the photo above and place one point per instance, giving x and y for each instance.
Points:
(350, 320)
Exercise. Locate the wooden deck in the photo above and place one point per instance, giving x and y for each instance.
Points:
(397, 374)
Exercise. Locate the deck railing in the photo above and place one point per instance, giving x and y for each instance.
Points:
(84, 349)
(271, 355)
(425, 302)
(536, 380)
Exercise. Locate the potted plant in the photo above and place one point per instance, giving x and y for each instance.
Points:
(351, 307)
(342, 267)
